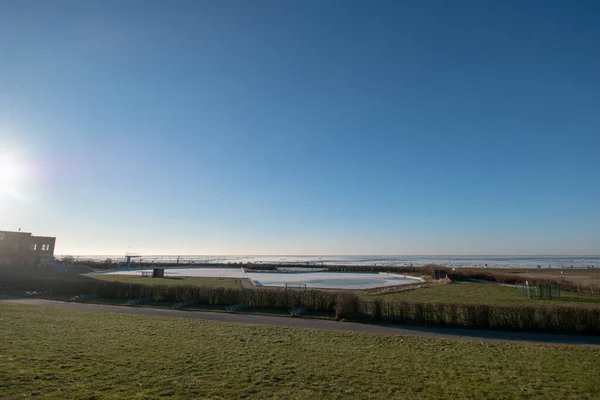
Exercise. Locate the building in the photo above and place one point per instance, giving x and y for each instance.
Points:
(24, 249)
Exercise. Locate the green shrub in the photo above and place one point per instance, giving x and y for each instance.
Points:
(346, 305)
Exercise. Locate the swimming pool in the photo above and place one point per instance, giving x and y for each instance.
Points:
(310, 279)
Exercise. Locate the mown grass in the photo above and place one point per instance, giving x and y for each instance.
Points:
(482, 293)
(591, 274)
(186, 281)
(59, 354)
(573, 280)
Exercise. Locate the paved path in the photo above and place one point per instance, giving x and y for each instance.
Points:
(307, 323)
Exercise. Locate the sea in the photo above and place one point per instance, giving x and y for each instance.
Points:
(489, 261)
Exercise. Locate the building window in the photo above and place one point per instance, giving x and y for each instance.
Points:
(45, 247)
(33, 247)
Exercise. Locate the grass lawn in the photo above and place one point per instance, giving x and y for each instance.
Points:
(590, 275)
(197, 281)
(469, 292)
(61, 354)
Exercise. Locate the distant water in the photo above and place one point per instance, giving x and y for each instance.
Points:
(448, 261)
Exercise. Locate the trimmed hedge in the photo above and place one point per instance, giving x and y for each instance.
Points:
(485, 316)
(314, 300)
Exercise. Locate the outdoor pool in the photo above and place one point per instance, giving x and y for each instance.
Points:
(310, 279)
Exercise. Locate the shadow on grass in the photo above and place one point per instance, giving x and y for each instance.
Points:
(508, 335)
(168, 277)
(592, 300)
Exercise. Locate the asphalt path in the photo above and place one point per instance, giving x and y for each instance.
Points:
(310, 323)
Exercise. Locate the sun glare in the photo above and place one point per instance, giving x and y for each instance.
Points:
(12, 175)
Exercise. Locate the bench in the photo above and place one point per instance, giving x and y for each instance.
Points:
(135, 302)
(236, 307)
(182, 304)
(297, 311)
(83, 297)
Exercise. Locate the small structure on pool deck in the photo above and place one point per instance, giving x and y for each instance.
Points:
(440, 274)
(158, 273)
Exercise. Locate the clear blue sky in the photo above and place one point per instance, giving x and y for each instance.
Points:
(302, 127)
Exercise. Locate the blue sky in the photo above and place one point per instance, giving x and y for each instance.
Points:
(302, 127)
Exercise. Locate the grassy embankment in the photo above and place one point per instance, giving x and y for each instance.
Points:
(60, 354)
(576, 280)
(183, 281)
(482, 293)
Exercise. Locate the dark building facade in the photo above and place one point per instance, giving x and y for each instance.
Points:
(24, 249)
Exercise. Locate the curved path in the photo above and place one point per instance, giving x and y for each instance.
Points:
(308, 323)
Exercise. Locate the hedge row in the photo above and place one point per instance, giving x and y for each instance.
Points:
(314, 300)
(485, 316)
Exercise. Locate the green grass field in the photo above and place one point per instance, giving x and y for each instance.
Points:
(469, 292)
(59, 354)
(582, 274)
(198, 281)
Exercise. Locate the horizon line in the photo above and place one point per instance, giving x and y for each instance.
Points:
(341, 255)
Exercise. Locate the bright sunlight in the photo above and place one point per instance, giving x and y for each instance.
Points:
(13, 173)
